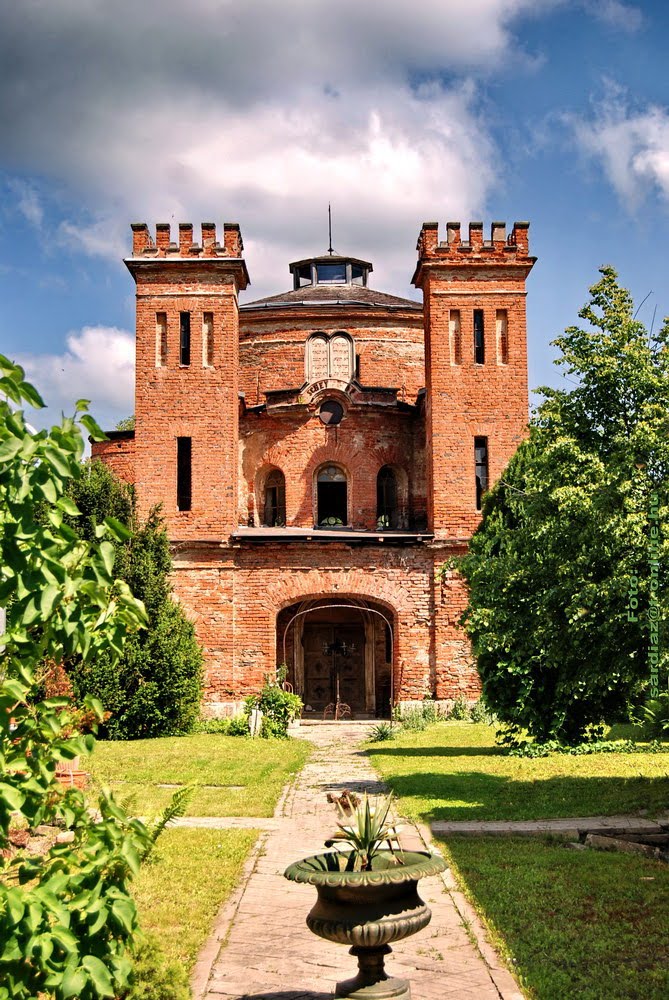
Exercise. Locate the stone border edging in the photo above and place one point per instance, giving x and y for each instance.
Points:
(570, 826)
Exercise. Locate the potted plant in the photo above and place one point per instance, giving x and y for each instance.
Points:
(367, 895)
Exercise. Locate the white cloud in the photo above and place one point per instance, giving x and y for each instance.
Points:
(623, 16)
(258, 113)
(631, 144)
(27, 201)
(98, 364)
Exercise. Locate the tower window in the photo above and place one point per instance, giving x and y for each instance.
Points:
(331, 274)
(481, 464)
(303, 276)
(184, 473)
(208, 339)
(161, 339)
(184, 338)
(502, 325)
(479, 338)
(455, 337)
(386, 499)
(274, 511)
(332, 497)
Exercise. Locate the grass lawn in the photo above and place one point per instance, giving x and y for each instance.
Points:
(179, 894)
(584, 925)
(454, 771)
(246, 776)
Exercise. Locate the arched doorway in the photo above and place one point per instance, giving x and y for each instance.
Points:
(338, 651)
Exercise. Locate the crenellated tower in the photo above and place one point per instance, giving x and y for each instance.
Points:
(186, 388)
(475, 364)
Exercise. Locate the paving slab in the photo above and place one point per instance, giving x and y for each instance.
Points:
(261, 948)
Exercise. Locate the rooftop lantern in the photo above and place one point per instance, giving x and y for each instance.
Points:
(330, 269)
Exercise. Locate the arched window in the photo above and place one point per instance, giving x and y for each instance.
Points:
(387, 510)
(331, 497)
(274, 509)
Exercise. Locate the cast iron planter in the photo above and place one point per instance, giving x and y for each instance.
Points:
(368, 910)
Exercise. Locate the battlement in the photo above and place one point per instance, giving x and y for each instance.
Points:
(144, 245)
(500, 248)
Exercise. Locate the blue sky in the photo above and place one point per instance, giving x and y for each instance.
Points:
(262, 113)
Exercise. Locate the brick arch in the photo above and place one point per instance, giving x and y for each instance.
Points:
(352, 584)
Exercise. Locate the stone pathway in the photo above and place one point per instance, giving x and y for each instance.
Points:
(261, 948)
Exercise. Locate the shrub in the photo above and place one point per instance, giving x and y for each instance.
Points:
(279, 707)
(239, 726)
(412, 718)
(459, 709)
(479, 713)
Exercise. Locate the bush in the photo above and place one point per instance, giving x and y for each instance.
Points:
(279, 707)
(239, 726)
(412, 718)
(459, 710)
(479, 713)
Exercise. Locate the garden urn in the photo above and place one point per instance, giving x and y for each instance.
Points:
(368, 910)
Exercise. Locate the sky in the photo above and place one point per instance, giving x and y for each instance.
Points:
(262, 113)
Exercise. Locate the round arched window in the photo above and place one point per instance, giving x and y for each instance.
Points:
(331, 413)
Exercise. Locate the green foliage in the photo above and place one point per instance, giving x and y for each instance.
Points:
(656, 717)
(174, 810)
(153, 977)
(279, 707)
(239, 726)
(155, 689)
(220, 727)
(480, 713)
(459, 710)
(527, 749)
(382, 732)
(365, 829)
(565, 536)
(126, 423)
(66, 918)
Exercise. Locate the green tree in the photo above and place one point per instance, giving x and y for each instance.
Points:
(155, 689)
(67, 920)
(558, 570)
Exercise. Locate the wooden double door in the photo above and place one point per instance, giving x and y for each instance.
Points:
(325, 663)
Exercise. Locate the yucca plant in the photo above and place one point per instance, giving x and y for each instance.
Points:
(365, 830)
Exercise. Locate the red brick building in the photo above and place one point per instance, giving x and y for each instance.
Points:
(320, 453)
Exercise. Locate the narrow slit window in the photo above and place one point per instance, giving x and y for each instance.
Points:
(455, 337)
(184, 338)
(161, 339)
(481, 463)
(208, 340)
(502, 324)
(479, 337)
(184, 473)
